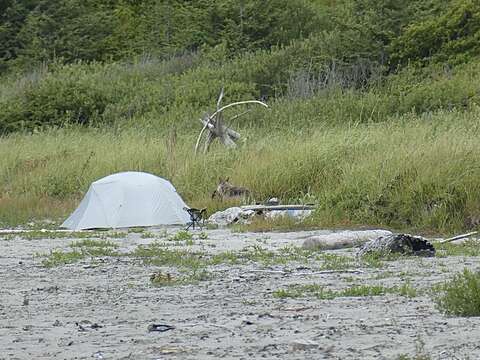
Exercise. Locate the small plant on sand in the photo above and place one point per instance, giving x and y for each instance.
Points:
(322, 293)
(147, 235)
(92, 247)
(93, 243)
(419, 352)
(190, 276)
(203, 235)
(80, 250)
(467, 248)
(377, 260)
(113, 235)
(42, 234)
(257, 253)
(414, 357)
(335, 262)
(365, 290)
(372, 260)
(161, 278)
(282, 223)
(226, 257)
(182, 235)
(136, 229)
(46, 234)
(59, 257)
(161, 234)
(407, 290)
(461, 295)
(156, 254)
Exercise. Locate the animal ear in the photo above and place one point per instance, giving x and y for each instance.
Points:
(228, 178)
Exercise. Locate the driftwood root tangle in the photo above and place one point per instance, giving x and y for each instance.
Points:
(215, 126)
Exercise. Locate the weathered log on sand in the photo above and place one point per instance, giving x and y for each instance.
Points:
(343, 239)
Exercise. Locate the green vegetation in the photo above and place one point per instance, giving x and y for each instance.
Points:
(40, 234)
(467, 248)
(407, 290)
(59, 257)
(192, 277)
(81, 249)
(203, 235)
(160, 254)
(322, 293)
(93, 245)
(284, 223)
(182, 235)
(461, 295)
(418, 356)
(376, 102)
(420, 353)
(147, 235)
(419, 187)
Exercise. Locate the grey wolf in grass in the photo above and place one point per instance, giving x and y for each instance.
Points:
(225, 190)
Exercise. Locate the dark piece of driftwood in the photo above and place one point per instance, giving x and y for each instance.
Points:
(215, 125)
(398, 243)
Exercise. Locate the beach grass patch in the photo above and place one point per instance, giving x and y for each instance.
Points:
(322, 293)
(459, 296)
(466, 248)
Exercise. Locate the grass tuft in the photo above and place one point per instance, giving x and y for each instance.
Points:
(467, 248)
(461, 295)
(161, 279)
(182, 235)
(80, 250)
(414, 172)
(59, 257)
(322, 293)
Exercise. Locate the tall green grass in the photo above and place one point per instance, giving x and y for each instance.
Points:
(410, 172)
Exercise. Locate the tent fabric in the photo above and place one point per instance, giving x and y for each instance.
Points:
(128, 199)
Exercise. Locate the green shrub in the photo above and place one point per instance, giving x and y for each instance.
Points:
(452, 36)
(461, 295)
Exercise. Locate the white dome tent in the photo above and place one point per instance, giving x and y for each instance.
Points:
(128, 199)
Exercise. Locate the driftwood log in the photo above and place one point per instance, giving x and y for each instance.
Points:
(215, 125)
(404, 244)
(343, 239)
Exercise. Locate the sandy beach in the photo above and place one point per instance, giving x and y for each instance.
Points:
(101, 307)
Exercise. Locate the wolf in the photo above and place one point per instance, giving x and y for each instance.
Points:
(225, 190)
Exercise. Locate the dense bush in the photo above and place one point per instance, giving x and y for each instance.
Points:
(461, 295)
(453, 37)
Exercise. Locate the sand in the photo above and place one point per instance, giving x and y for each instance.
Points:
(101, 308)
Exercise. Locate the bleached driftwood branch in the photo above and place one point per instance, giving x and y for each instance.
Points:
(458, 237)
(216, 127)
